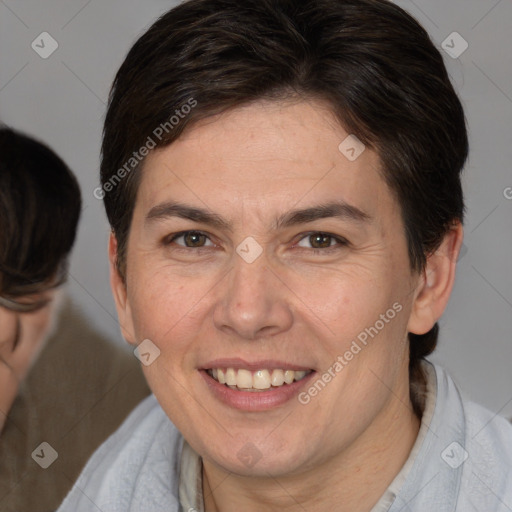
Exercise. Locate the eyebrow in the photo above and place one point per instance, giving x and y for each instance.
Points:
(337, 209)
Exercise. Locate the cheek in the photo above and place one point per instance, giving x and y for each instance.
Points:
(363, 321)
(341, 303)
(165, 305)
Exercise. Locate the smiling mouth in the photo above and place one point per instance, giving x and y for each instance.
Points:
(260, 380)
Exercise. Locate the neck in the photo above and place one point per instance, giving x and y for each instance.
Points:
(353, 480)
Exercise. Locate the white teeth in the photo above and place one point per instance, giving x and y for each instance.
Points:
(244, 379)
(256, 381)
(289, 375)
(230, 377)
(277, 378)
(261, 379)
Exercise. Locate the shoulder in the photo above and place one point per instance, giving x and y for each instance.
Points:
(463, 457)
(487, 472)
(480, 450)
(489, 429)
(137, 468)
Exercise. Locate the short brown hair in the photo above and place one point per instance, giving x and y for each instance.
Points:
(370, 60)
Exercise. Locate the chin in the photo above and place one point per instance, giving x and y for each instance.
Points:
(256, 461)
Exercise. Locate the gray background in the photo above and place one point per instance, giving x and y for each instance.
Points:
(61, 100)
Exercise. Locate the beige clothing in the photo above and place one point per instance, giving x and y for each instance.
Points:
(78, 393)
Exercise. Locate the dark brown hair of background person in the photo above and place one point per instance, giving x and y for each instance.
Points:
(40, 204)
(370, 61)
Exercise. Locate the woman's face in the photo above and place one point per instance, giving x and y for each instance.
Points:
(25, 323)
(262, 251)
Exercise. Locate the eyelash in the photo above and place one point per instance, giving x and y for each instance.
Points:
(341, 242)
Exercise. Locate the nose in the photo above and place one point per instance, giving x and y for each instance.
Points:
(254, 302)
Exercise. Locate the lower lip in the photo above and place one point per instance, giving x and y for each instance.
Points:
(255, 400)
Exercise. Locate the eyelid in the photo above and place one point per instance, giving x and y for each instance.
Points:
(341, 240)
(171, 238)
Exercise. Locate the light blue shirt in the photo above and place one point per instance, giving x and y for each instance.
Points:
(460, 462)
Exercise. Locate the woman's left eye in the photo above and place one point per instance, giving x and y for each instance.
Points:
(319, 240)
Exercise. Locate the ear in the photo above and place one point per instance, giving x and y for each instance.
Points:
(119, 291)
(436, 283)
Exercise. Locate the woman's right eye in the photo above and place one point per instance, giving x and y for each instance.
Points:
(190, 239)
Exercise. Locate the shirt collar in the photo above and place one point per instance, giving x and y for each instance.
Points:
(191, 480)
(434, 468)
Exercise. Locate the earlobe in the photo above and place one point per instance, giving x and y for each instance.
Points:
(119, 291)
(436, 283)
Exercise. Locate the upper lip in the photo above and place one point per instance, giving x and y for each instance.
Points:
(262, 364)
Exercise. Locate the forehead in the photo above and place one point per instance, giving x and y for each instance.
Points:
(267, 156)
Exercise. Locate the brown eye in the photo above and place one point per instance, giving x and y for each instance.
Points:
(319, 241)
(191, 239)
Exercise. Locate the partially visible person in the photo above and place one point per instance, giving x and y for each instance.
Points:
(58, 378)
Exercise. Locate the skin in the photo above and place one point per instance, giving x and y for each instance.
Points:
(250, 166)
(22, 338)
